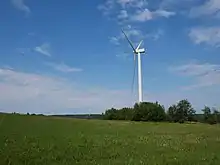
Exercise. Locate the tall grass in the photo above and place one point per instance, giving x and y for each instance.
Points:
(35, 140)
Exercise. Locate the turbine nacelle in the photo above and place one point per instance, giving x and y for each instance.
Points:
(137, 49)
(142, 50)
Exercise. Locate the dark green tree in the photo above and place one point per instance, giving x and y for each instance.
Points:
(216, 115)
(181, 112)
(110, 114)
(206, 114)
(171, 113)
(148, 111)
(186, 110)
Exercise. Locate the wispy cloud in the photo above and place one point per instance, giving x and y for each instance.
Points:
(208, 8)
(133, 10)
(20, 5)
(129, 14)
(131, 32)
(63, 67)
(114, 40)
(123, 3)
(207, 35)
(136, 35)
(110, 5)
(156, 35)
(7, 67)
(163, 13)
(23, 51)
(143, 16)
(123, 14)
(179, 5)
(43, 49)
(107, 7)
(36, 93)
(30, 92)
(205, 74)
(125, 56)
(193, 8)
(132, 3)
(147, 15)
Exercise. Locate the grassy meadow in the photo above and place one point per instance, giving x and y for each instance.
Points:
(39, 140)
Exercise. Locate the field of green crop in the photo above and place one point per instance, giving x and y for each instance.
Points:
(36, 140)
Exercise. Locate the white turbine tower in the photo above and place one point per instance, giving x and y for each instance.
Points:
(137, 52)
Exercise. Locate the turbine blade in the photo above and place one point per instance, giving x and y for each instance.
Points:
(129, 41)
(139, 44)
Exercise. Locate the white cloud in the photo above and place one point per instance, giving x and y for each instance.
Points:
(130, 12)
(163, 13)
(43, 49)
(114, 40)
(36, 93)
(205, 74)
(107, 7)
(123, 3)
(178, 5)
(19, 4)
(30, 92)
(133, 9)
(193, 8)
(135, 35)
(147, 15)
(132, 33)
(23, 51)
(198, 97)
(143, 16)
(157, 34)
(207, 35)
(140, 4)
(125, 55)
(123, 14)
(63, 67)
(209, 8)
(132, 3)
(127, 9)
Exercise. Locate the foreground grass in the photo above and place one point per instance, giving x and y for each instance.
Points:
(52, 141)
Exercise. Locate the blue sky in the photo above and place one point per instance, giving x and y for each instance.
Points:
(71, 57)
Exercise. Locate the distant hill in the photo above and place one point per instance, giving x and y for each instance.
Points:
(198, 117)
(82, 116)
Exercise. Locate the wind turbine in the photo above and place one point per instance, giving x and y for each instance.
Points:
(137, 52)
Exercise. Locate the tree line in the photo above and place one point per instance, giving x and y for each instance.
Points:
(149, 111)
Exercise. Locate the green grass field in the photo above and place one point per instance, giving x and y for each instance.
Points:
(38, 140)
